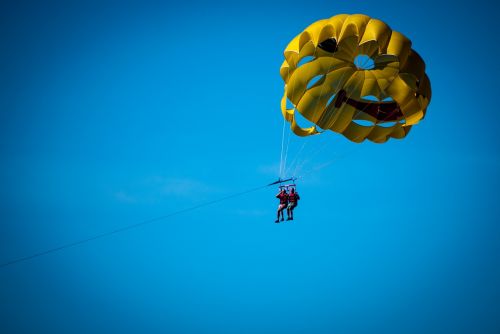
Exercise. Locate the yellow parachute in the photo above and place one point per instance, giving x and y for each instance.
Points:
(375, 102)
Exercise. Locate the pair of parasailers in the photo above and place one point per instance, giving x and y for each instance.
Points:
(288, 201)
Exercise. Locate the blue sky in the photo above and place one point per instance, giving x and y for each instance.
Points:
(115, 113)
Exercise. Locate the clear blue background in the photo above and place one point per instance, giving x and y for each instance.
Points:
(114, 113)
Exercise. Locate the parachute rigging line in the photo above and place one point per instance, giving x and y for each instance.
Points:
(300, 159)
(294, 160)
(282, 145)
(129, 227)
(289, 132)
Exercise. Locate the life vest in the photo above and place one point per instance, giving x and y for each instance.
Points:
(283, 198)
(293, 197)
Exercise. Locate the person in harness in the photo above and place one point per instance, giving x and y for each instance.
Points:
(293, 199)
(283, 197)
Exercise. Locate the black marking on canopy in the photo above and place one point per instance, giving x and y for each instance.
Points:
(382, 111)
(328, 45)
